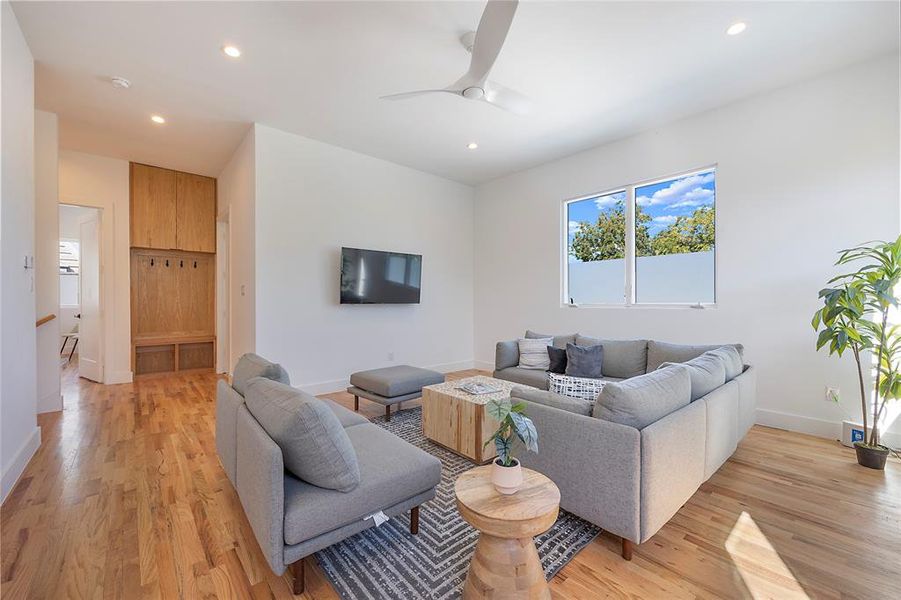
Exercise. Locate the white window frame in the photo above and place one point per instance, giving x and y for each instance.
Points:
(629, 288)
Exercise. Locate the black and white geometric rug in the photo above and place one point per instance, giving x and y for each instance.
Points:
(388, 562)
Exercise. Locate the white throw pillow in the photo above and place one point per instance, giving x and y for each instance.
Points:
(575, 387)
(533, 353)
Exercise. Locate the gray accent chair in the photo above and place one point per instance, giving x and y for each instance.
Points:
(631, 480)
(291, 518)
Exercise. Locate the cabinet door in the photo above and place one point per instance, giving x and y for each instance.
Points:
(152, 207)
(195, 213)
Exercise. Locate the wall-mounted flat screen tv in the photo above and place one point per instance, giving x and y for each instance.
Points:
(376, 277)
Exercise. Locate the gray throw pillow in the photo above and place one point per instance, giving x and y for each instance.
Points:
(645, 399)
(584, 361)
(557, 357)
(533, 353)
(314, 445)
(560, 341)
(731, 359)
(251, 365)
(707, 373)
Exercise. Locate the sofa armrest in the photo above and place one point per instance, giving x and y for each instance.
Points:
(672, 464)
(506, 355)
(227, 403)
(595, 464)
(261, 487)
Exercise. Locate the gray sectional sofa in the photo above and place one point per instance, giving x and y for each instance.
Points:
(362, 469)
(630, 460)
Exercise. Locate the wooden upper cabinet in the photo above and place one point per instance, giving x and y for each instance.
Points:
(195, 211)
(152, 207)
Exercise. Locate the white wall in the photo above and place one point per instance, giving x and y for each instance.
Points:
(236, 197)
(19, 433)
(100, 182)
(312, 198)
(802, 172)
(46, 259)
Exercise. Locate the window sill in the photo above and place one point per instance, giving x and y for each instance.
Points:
(643, 305)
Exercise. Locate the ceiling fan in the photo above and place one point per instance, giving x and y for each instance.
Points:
(485, 46)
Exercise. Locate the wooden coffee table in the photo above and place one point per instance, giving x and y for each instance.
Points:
(505, 564)
(457, 420)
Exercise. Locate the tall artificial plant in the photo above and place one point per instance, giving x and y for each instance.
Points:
(513, 424)
(855, 316)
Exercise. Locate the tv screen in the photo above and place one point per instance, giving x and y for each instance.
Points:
(376, 277)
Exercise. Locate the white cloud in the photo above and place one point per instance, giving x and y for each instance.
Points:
(681, 190)
(609, 200)
(574, 226)
(664, 219)
(696, 197)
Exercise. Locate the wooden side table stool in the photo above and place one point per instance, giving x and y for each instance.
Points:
(505, 564)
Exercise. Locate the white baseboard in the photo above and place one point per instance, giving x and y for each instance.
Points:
(50, 403)
(115, 377)
(819, 427)
(339, 385)
(483, 365)
(16, 466)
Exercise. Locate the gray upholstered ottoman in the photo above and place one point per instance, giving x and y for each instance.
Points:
(391, 385)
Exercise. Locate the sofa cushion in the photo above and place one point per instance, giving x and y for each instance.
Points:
(506, 354)
(533, 353)
(622, 358)
(661, 352)
(530, 377)
(642, 400)
(398, 380)
(346, 417)
(391, 470)
(251, 365)
(557, 358)
(584, 361)
(579, 406)
(560, 341)
(731, 359)
(707, 373)
(314, 445)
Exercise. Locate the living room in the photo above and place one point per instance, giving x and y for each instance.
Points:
(646, 183)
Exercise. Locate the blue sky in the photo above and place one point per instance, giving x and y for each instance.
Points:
(663, 201)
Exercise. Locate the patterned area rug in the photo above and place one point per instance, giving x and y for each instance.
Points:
(388, 562)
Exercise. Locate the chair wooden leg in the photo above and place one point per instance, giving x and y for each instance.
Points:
(414, 520)
(628, 546)
(388, 413)
(296, 569)
(356, 403)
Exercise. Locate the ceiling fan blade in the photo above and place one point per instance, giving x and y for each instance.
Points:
(490, 36)
(507, 99)
(404, 95)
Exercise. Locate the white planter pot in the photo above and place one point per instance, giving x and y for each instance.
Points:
(506, 480)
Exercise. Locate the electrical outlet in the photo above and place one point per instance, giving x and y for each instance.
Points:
(391, 356)
(832, 394)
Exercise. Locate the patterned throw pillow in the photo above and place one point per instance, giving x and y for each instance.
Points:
(533, 353)
(575, 387)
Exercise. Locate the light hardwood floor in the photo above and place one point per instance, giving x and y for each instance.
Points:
(126, 499)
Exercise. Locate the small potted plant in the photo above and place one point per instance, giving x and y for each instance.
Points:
(506, 472)
(855, 316)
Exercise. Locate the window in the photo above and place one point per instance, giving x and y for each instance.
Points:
(648, 243)
(68, 273)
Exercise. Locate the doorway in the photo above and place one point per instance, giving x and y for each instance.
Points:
(81, 323)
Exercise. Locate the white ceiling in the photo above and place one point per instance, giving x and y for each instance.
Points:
(597, 71)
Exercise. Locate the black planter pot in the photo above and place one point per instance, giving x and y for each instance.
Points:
(873, 458)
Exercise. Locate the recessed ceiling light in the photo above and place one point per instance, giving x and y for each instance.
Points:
(120, 82)
(232, 51)
(736, 28)
(472, 145)
(158, 119)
